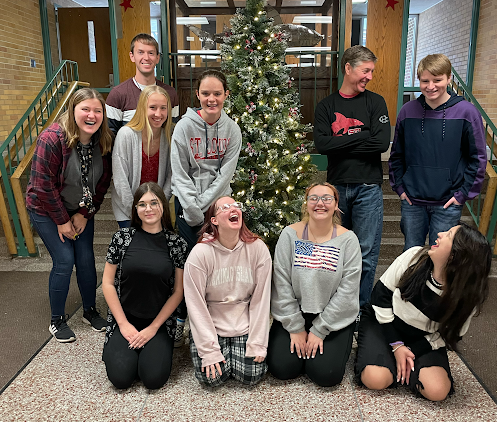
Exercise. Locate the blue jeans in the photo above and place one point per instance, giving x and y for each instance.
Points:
(362, 207)
(64, 256)
(124, 224)
(419, 220)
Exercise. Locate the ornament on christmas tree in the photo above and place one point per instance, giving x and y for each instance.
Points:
(275, 167)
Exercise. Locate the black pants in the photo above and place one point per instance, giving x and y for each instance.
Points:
(190, 234)
(152, 364)
(373, 349)
(325, 370)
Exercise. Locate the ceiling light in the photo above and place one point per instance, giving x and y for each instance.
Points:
(308, 3)
(207, 3)
(192, 21)
(312, 19)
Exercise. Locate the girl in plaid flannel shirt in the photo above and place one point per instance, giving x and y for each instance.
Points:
(70, 174)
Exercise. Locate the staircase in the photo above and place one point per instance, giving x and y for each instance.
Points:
(392, 242)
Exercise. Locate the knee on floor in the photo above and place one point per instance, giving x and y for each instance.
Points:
(435, 391)
(376, 377)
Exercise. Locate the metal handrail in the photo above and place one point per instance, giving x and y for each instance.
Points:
(18, 142)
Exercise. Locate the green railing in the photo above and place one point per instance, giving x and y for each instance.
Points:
(482, 208)
(14, 148)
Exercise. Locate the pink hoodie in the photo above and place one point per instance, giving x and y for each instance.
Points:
(227, 293)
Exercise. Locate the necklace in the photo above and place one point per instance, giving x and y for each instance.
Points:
(326, 237)
(435, 282)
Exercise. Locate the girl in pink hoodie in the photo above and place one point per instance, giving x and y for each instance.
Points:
(227, 283)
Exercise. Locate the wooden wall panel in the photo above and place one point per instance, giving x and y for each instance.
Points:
(134, 21)
(348, 24)
(383, 38)
(73, 28)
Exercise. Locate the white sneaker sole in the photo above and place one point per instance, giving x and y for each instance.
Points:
(92, 327)
(64, 340)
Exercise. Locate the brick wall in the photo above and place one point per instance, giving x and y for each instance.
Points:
(485, 74)
(445, 28)
(20, 32)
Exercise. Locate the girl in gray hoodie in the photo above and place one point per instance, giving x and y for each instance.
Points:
(204, 152)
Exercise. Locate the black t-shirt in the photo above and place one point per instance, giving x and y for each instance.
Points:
(146, 269)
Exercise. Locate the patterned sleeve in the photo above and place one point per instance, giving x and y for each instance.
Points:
(178, 250)
(114, 251)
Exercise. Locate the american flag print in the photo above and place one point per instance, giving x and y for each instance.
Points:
(309, 255)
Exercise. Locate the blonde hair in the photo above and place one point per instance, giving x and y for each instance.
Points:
(336, 215)
(68, 123)
(436, 64)
(139, 122)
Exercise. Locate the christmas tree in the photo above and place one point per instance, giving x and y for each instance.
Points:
(274, 167)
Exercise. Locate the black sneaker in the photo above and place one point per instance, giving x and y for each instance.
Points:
(93, 318)
(61, 331)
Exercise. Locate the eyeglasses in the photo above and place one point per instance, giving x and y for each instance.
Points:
(314, 199)
(226, 207)
(142, 206)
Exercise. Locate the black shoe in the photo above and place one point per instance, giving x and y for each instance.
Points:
(93, 318)
(61, 331)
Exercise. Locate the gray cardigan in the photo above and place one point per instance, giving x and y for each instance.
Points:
(315, 278)
(127, 167)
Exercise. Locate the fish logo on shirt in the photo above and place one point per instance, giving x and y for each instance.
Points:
(345, 123)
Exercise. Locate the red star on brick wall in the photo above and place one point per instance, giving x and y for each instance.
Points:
(391, 3)
(126, 4)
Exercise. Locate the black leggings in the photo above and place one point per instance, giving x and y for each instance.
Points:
(373, 349)
(152, 364)
(325, 369)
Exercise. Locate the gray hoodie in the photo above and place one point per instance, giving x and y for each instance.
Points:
(203, 161)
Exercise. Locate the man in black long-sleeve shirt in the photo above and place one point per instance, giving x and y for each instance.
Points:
(352, 128)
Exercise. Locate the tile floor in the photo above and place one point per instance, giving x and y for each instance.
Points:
(67, 382)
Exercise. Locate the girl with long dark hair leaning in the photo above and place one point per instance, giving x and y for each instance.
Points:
(421, 306)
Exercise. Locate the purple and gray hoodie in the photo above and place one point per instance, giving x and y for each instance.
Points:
(440, 153)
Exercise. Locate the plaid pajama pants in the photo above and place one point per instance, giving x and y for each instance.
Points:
(238, 366)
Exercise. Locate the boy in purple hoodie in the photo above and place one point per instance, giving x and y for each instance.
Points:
(438, 156)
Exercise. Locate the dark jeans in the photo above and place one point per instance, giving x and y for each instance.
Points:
(190, 234)
(65, 255)
(419, 220)
(362, 207)
(325, 369)
(124, 224)
(152, 364)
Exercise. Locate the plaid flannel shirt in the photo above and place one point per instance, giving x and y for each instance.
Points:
(47, 177)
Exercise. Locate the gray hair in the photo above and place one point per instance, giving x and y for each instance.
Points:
(356, 55)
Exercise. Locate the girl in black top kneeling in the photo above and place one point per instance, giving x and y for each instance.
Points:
(143, 285)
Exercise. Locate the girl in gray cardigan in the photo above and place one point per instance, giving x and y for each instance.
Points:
(315, 293)
(142, 151)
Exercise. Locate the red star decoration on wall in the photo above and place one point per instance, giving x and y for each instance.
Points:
(391, 3)
(126, 4)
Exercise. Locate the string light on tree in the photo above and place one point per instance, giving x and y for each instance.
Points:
(274, 165)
